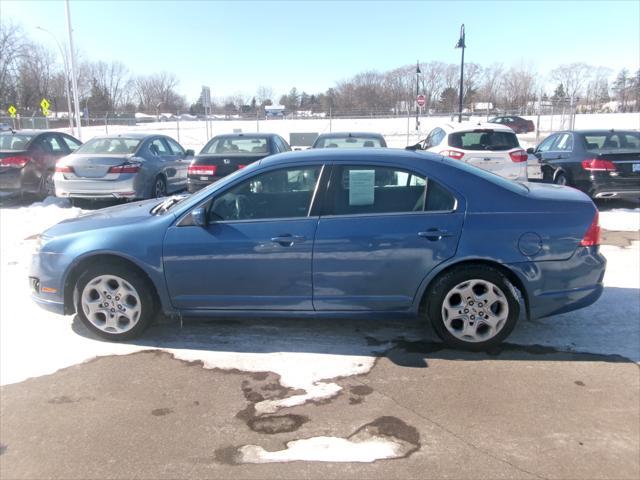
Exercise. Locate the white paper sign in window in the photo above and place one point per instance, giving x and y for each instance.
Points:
(361, 187)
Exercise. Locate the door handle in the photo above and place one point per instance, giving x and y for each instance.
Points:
(435, 234)
(287, 240)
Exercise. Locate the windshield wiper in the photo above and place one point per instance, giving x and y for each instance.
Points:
(167, 204)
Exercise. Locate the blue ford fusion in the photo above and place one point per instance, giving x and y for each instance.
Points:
(359, 233)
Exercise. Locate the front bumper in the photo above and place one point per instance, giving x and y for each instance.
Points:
(46, 280)
(555, 287)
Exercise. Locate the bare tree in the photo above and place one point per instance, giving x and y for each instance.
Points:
(490, 83)
(12, 48)
(264, 93)
(158, 92)
(573, 76)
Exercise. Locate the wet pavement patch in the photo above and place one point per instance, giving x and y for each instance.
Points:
(277, 423)
(161, 412)
(618, 238)
(63, 399)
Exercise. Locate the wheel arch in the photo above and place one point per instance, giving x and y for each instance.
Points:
(78, 268)
(502, 268)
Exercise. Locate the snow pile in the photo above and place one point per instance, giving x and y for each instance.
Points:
(622, 219)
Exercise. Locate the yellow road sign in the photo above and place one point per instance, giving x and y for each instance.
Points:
(45, 106)
(12, 111)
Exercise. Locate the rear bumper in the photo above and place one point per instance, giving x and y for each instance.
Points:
(616, 193)
(129, 188)
(555, 287)
(12, 181)
(194, 185)
(605, 185)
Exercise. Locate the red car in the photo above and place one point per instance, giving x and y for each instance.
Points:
(517, 124)
(28, 160)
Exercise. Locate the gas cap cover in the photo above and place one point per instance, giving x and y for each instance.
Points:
(530, 244)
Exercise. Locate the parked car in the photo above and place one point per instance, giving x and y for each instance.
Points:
(224, 154)
(332, 232)
(123, 166)
(28, 160)
(5, 127)
(517, 124)
(349, 140)
(601, 163)
(491, 147)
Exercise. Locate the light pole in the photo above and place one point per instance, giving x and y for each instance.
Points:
(74, 82)
(418, 72)
(66, 77)
(461, 45)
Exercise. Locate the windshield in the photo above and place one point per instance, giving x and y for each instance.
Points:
(14, 141)
(612, 141)
(484, 140)
(348, 142)
(236, 146)
(118, 146)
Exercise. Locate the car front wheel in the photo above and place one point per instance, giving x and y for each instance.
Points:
(560, 179)
(473, 308)
(114, 302)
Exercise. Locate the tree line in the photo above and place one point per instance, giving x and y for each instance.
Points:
(29, 72)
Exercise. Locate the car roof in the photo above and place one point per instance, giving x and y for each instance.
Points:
(453, 127)
(345, 155)
(598, 131)
(350, 134)
(27, 131)
(138, 135)
(245, 135)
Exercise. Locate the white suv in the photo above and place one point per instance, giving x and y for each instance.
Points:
(488, 146)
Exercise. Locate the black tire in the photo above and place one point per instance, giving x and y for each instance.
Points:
(142, 287)
(561, 179)
(159, 188)
(444, 284)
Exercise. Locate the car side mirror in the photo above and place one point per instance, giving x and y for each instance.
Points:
(189, 153)
(199, 216)
(531, 150)
(417, 146)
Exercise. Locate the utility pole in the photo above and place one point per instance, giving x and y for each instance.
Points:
(418, 72)
(74, 82)
(461, 44)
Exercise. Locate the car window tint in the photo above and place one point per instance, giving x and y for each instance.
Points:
(564, 142)
(51, 144)
(438, 198)
(545, 146)
(158, 147)
(484, 140)
(438, 137)
(14, 141)
(72, 144)
(284, 193)
(376, 190)
(612, 141)
(285, 145)
(236, 145)
(109, 145)
(348, 142)
(175, 148)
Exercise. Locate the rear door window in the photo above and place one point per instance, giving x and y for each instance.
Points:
(484, 140)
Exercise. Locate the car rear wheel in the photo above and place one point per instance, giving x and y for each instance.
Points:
(473, 308)
(114, 302)
(159, 188)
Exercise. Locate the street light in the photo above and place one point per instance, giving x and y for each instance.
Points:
(418, 72)
(461, 45)
(74, 82)
(66, 76)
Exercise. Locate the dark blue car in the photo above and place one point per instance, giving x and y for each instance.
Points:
(341, 233)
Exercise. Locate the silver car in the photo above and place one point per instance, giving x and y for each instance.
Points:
(127, 166)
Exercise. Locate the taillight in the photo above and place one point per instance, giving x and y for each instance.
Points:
(597, 165)
(518, 156)
(64, 169)
(592, 237)
(202, 170)
(126, 168)
(18, 161)
(456, 155)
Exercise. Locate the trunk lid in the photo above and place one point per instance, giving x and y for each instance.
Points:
(94, 166)
(10, 153)
(225, 164)
(627, 162)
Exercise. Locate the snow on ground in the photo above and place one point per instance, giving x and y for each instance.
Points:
(399, 132)
(622, 219)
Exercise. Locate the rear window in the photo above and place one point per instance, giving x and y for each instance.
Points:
(14, 142)
(349, 142)
(116, 146)
(236, 146)
(484, 140)
(612, 141)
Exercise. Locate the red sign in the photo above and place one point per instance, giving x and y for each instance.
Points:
(421, 100)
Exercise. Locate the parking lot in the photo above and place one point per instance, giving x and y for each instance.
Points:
(303, 398)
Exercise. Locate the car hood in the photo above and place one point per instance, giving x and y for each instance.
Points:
(132, 213)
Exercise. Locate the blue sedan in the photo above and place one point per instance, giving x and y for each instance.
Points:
(340, 233)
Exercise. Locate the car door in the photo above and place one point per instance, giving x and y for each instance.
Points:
(255, 251)
(382, 230)
(45, 151)
(180, 161)
(159, 148)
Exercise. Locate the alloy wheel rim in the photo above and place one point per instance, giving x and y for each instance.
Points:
(111, 304)
(475, 310)
(160, 188)
(49, 185)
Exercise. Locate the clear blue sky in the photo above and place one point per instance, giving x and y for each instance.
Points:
(236, 46)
